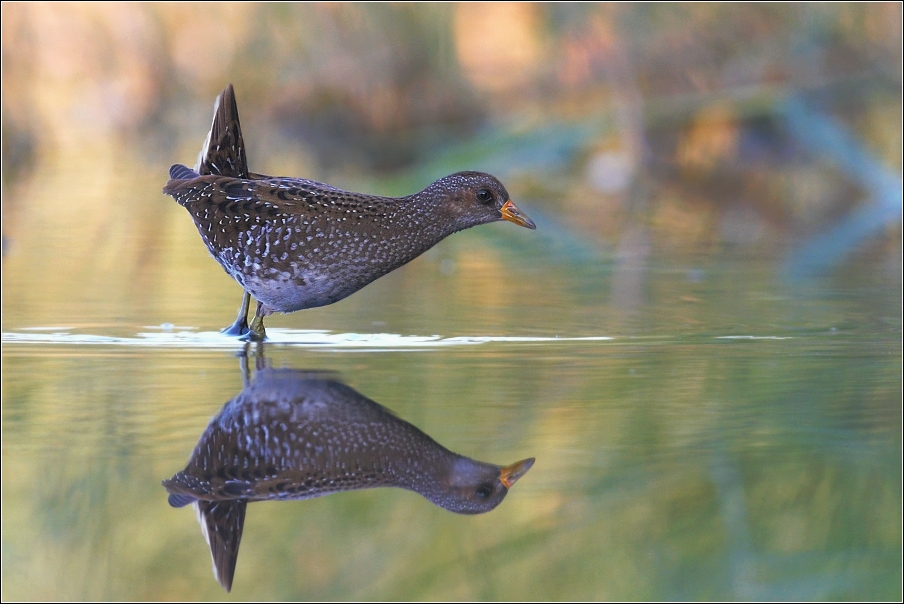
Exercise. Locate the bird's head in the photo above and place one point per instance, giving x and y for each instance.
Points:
(473, 198)
(474, 487)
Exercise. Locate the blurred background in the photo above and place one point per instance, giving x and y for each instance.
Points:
(696, 171)
(705, 124)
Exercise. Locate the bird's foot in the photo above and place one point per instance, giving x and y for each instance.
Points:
(239, 328)
(256, 331)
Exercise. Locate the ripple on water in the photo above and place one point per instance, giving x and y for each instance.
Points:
(169, 336)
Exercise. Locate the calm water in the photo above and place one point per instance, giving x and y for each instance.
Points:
(704, 428)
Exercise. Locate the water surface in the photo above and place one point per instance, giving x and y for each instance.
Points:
(726, 433)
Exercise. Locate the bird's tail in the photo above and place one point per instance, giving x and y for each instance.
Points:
(222, 523)
(223, 152)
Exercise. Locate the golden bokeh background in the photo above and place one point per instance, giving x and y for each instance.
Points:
(697, 172)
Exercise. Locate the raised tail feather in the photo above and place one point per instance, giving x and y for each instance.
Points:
(223, 152)
(222, 523)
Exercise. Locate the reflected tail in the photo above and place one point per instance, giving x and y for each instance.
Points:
(222, 523)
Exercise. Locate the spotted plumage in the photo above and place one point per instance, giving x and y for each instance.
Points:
(294, 243)
(293, 435)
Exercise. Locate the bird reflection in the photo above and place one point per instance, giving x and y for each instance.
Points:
(296, 435)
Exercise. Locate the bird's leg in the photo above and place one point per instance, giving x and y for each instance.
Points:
(260, 361)
(256, 332)
(240, 327)
(243, 365)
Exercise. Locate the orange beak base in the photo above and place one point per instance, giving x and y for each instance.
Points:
(509, 474)
(511, 213)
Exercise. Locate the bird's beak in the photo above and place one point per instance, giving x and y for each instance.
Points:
(511, 213)
(509, 474)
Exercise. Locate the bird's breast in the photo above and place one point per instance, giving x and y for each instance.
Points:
(292, 261)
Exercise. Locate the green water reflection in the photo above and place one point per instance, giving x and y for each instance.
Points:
(690, 466)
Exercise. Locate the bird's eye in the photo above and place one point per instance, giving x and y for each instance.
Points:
(484, 491)
(484, 196)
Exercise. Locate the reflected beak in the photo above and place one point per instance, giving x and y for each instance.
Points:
(511, 213)
(510, 474)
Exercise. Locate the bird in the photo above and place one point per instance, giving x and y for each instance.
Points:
(294, 243)
(293, 434)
